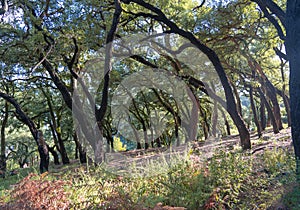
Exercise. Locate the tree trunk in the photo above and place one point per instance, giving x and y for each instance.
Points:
(238, 100)
(283, 91)
(3, 142)
(269, 110)
(44, 152)
(287, 106)
(82, 153)
(256, 121)
(56, 130)
(263, 118)
(42, 148)
(54, 154)
(62, 150)
(226, 121)
(271, 93)
(293, 53)
(204, 123)
(4, 7)
(213, 57)
(214, 119)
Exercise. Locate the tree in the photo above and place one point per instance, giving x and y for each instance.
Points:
(37, 135)
(293, 53)
(4, 121)
(42, 53)
(289, 21)
(55, 121)
(213, 57)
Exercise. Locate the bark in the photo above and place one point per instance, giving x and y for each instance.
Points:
(44, 152)
(287, 106)
(177, 120)
(293, 53)
(204, 122)
(136, 135)
(85, 125)
(271, 93)
(238, 100)
(268, 86)
(263, 118)
(3, 142)
(269, 5)
(54, 135)
(108, 56)
(283, 94)
(255, 116)
(137, 114)
(82, 153)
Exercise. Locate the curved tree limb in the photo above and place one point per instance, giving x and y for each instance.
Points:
(212, 56)
(266, 6)
(107, 65)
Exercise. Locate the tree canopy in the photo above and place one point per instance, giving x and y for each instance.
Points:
(153, 73)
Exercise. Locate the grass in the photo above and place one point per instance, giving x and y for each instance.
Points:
(292, 196)
(229, 180)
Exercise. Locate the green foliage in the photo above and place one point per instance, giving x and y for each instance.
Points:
(242, 183)
(182, 185)
(229, 173)
(292, 198)
(187, 186)
(21, 146)
(278, 161)
(228, 180)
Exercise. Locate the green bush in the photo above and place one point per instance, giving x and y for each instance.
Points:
(229, 173)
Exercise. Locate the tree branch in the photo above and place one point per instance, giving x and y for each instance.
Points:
(267, 4)
(21, 115)
(107, 65)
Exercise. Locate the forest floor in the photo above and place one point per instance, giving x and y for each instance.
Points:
(272, 184)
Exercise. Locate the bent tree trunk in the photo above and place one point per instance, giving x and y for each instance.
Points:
(293, 53)
(43, 151)
(56, 131)
(271, 93)
(269, 110)
(213, 57)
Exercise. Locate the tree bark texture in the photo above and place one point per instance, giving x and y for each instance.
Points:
(293, 53)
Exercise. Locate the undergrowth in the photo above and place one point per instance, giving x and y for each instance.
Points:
(229, 180)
